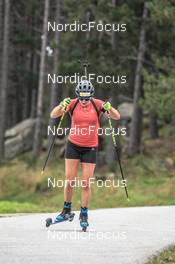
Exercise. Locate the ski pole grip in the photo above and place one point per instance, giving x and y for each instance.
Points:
(105, 111)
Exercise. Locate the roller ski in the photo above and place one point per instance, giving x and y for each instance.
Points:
(83, 219)
(65, 215)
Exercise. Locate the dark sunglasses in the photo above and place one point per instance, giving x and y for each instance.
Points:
(86, 99)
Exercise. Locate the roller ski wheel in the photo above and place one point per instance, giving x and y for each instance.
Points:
(84, 222)
(48, 222)
(84, 229)
(60, 218)
(71, 217)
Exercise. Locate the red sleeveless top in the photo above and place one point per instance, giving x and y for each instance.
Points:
(84, 123)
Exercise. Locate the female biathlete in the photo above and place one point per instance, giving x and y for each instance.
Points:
(82, 144)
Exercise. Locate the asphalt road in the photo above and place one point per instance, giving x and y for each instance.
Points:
(122, 236)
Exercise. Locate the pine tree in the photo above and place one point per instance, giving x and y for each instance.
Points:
(136, 123)
(38, 129)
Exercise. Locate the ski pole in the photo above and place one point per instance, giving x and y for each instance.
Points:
(52, 143)
(118, 158)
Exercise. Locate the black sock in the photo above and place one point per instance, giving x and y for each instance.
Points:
(84, 210)
(67, 206)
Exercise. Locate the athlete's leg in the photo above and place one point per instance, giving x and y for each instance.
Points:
(87, 173)
(71, 168)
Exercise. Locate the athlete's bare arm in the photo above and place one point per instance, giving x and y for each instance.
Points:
(57, 111)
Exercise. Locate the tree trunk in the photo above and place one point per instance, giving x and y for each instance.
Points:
(34, 73)
(56, 88)
(1, 37)
(4, 76)
(153, 126)
(114, 34)
(1, 32)
(38, 129)
(33, 104)
(26, 88)
(136, 123)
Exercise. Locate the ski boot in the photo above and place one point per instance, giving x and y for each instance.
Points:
(84, 219)
(65, 215)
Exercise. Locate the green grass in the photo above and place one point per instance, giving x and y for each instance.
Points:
(165, 257)
(151, 181)
(17, 207)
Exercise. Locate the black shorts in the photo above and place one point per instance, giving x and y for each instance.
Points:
(84, 154)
